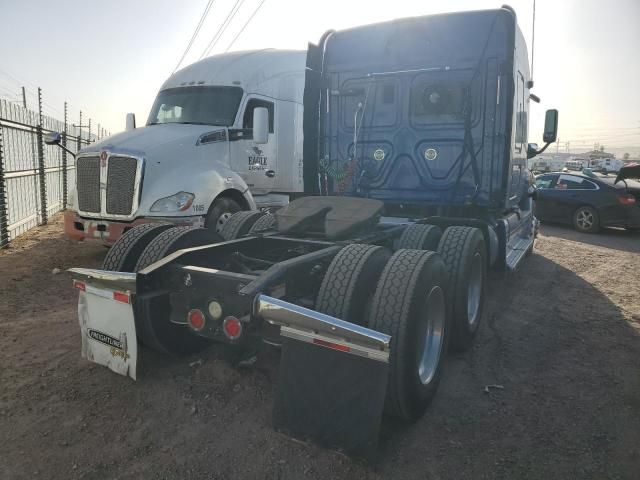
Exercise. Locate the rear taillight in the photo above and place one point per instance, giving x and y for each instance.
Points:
(79, 285)
(196, 319)
(232, 327)
(626, 199)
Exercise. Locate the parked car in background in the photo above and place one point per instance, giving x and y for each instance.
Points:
(588, 201)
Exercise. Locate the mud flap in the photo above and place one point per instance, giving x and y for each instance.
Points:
(107, 327)
(330, 397)
(332, 379)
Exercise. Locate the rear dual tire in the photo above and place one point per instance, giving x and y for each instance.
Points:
(410, 304)
(153, 314)
(464, 253)
(139, 248)
(417, 323)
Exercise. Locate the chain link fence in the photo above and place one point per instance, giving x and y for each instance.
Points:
(34, 177)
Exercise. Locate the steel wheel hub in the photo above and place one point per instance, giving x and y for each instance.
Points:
(222, 219)
(429, 354)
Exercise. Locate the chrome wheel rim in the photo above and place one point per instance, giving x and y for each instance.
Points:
(475, 289)
(222, 219)
(584, 219)
(435, 315)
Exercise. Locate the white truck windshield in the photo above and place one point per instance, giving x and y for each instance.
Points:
(196, 105)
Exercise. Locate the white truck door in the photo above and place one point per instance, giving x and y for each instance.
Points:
(255, 163)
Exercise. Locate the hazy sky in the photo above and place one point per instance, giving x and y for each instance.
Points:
(110, 57)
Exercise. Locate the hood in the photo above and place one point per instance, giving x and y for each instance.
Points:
(153, 137)
(631, 170)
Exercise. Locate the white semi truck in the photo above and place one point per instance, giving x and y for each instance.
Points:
(223, 135)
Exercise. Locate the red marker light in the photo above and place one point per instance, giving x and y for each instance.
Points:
(196, 319)
(334, 346)
(121, 297)
(79, 285)
(232, 327)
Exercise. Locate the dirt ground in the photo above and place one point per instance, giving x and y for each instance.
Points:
(562, 336)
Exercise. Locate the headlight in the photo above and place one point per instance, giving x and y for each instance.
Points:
(178, 202)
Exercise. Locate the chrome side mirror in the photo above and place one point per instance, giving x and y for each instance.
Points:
(550, 126)
(130, 123)
(52, 138)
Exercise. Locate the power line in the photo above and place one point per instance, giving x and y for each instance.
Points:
(245, 25)
(227, 21)
(195, 33)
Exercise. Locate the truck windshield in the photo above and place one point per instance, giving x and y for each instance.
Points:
(196, 105)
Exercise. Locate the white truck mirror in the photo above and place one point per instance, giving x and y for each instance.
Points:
(260, 125)
(130, 123)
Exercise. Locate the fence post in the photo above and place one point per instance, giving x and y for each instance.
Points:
(41, 175)
(4, 222)
(79, 134)
(64, 160)
(89, 134)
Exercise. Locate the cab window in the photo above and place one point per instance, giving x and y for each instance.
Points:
(521, 114)
(247, 119)
(545, 181)
(569, 182)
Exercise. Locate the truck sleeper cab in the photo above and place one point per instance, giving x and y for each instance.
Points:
(196, 161)
(414, 170)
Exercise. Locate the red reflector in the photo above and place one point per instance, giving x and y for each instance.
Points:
(627, 199)
(121, 297)
(79, 285)
(232, 327)
(335, 346)
(196, 319)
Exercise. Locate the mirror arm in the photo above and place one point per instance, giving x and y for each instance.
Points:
(66, 150)
(538, 152)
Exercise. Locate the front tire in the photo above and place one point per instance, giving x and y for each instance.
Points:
(239, 224)
(410, 304)
(586, 219)
(220, 212)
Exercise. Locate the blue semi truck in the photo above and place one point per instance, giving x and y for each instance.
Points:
(415, 149)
